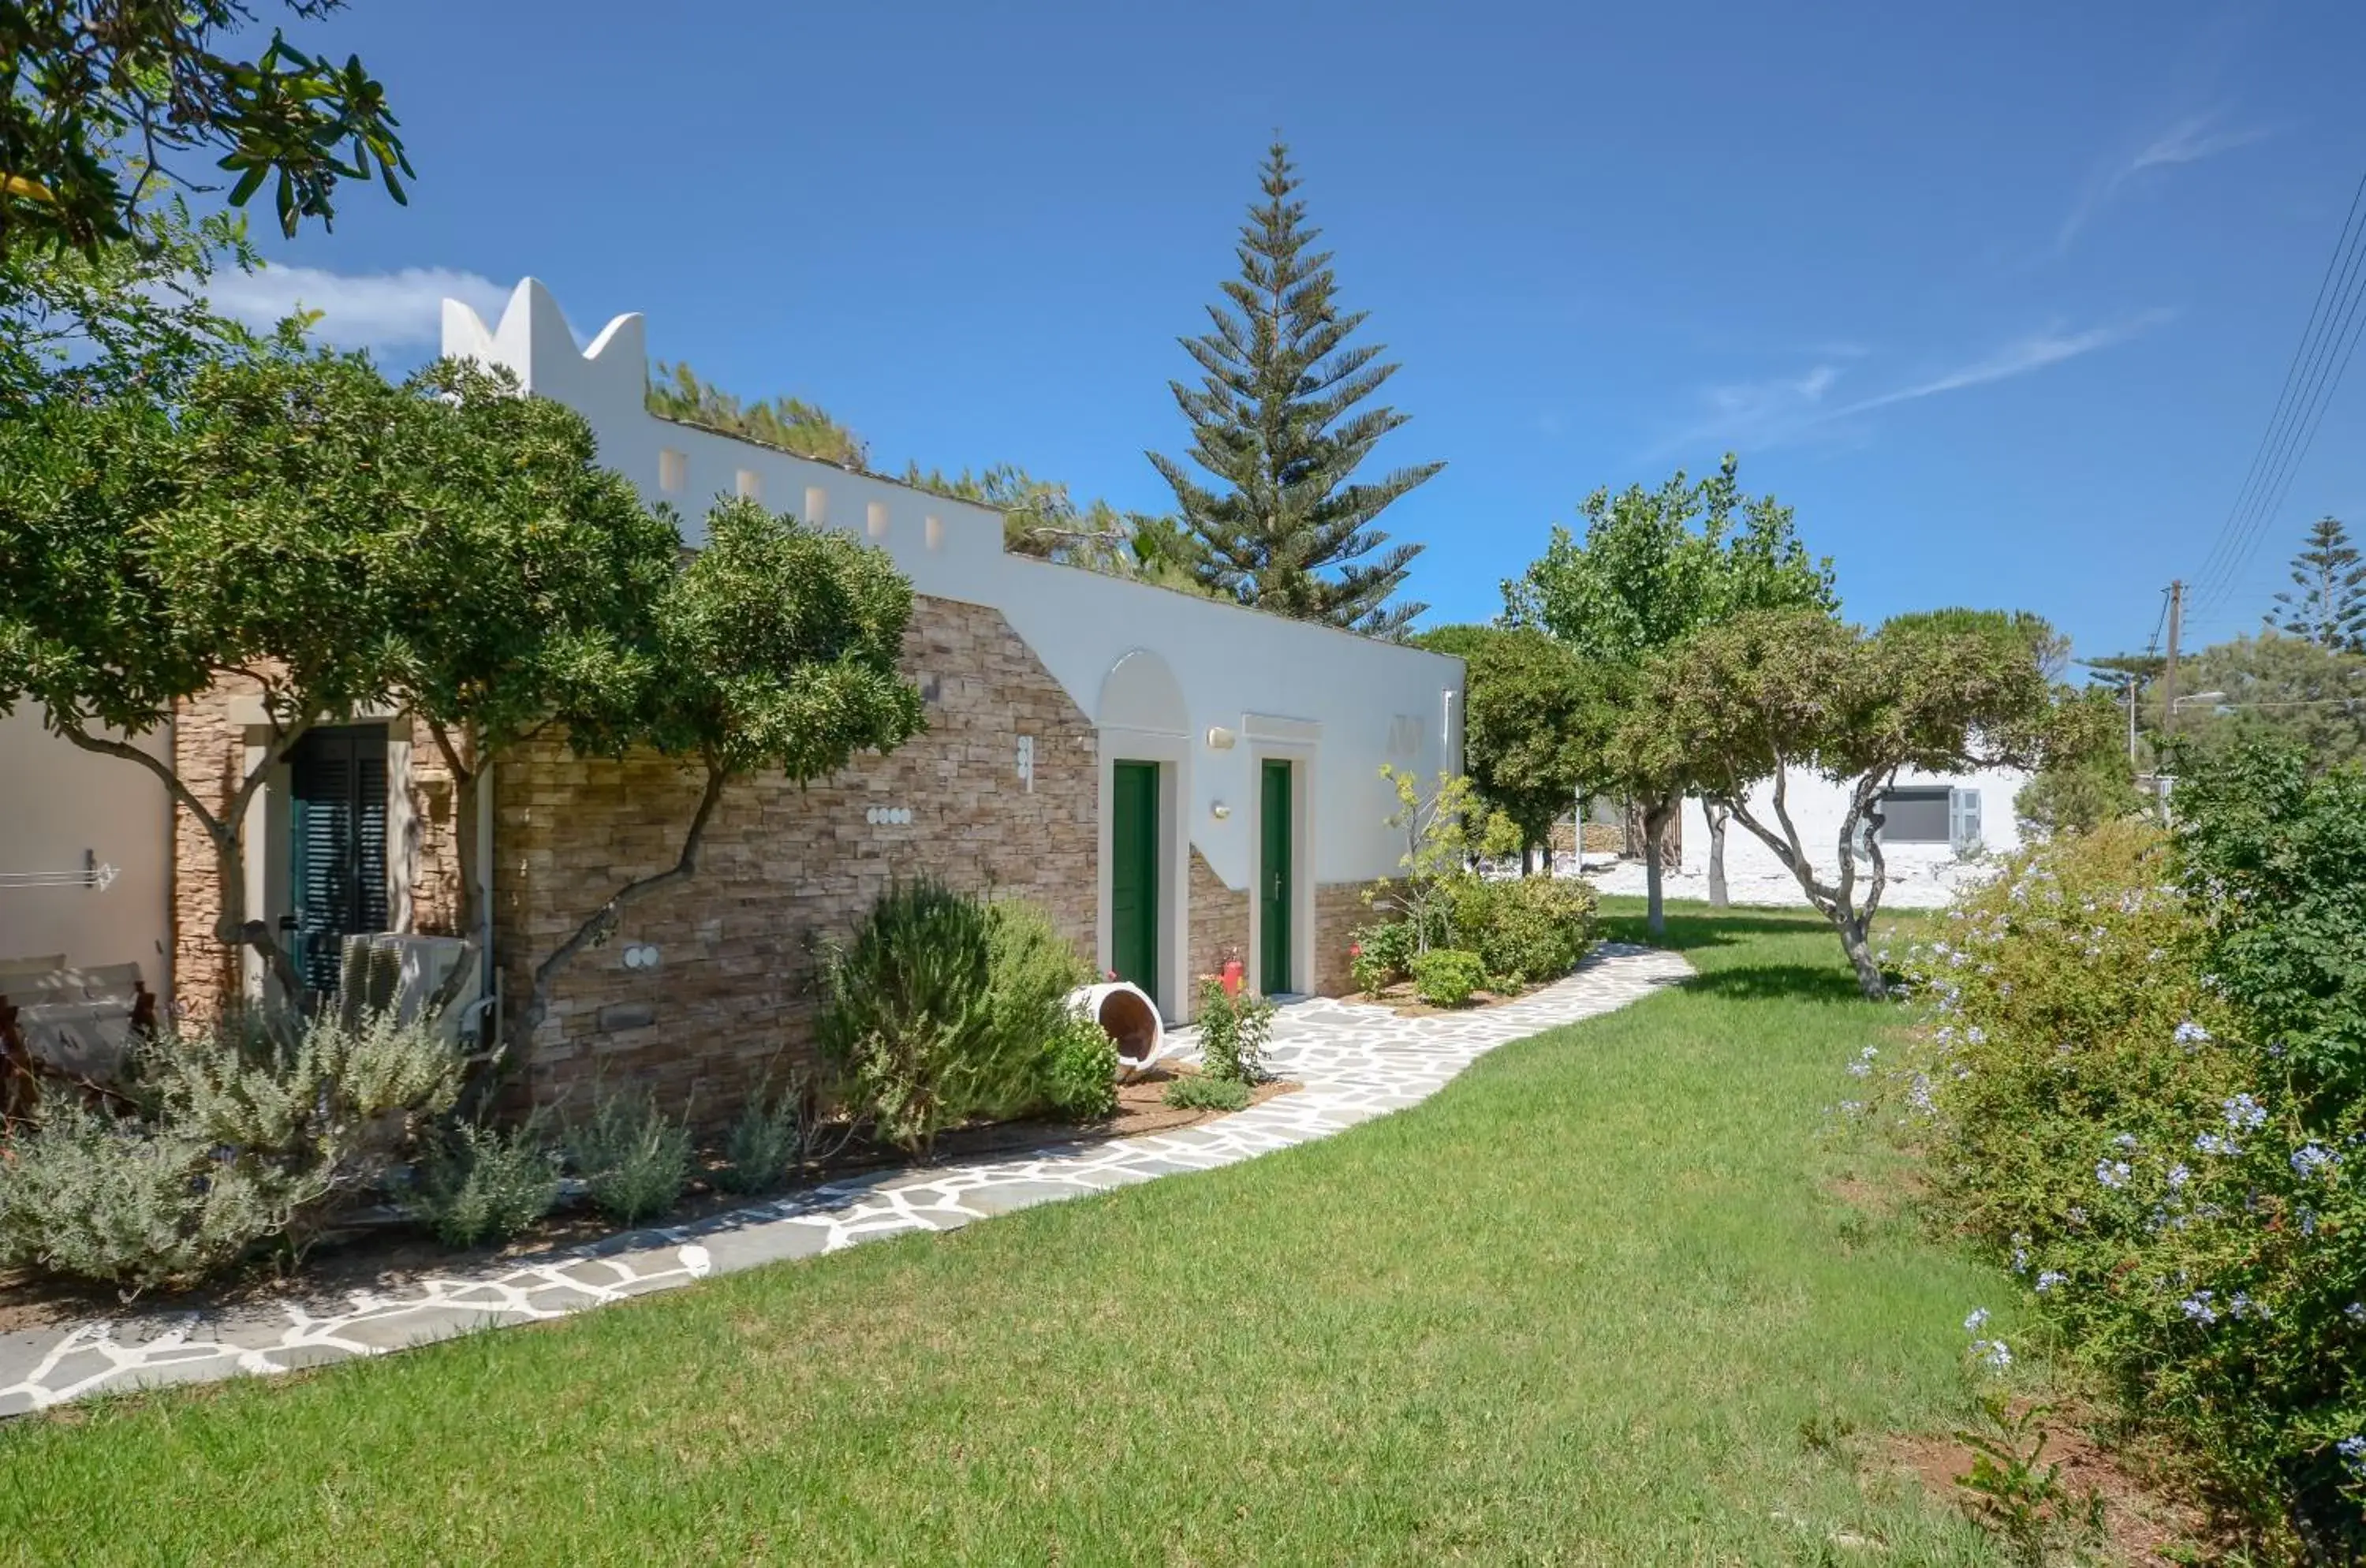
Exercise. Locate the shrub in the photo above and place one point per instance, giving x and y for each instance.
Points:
(1198, 1091)
(1525, 929)
(1383, 955)
(1444, 977)
(766, 1145)
(478, 1184)
(1033, 970)
(2158, 1137)
(257, 1129)
(633, 1157)
(140, 1205)
(909, 1016)
(1233, 1030)
(1080, 1078)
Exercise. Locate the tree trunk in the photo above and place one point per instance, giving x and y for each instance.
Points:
(1656, 817)
(1717, 898)
(1856, 940)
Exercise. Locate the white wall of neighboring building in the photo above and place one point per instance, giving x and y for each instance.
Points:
(63, 808)
(1920, 874)
(1336, 705)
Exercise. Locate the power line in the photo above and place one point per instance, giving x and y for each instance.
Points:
(2318, 364)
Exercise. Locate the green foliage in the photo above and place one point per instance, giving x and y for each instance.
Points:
(1080, 1070)
(480, 1185)
(1033, 971)
(766, 1143)
(2020, 1495)
(1657, 566)
(2088, 779)
(634, 1158)
(1773, 692)
(2327, 604)
(1531, 722)
(103, 96)
(1233, 1032)
(1275, 420)
(1382, 954)
(257, 1130)
(1198, 1091)
(2277, 689)
(907, 1015)
(2130, 1100)
(140, 1205)
(1435, 822)
(1444, 977)
(2276, 853)
(1525, 929)
(676, 392)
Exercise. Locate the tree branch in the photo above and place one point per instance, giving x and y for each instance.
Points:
(162, 770)
(602, 923)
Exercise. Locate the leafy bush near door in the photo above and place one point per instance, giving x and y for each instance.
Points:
(942, 1007)
(1446, 977)
(2138, 1082)
(1525, 929)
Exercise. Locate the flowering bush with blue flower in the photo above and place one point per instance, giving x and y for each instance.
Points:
(2133, 1136)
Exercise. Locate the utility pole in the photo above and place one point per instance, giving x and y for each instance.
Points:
(2169, 679)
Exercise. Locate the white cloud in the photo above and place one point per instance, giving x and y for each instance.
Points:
(2189, 141)
(375, 310)
(1793, 408)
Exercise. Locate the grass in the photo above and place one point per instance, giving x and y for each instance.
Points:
(1594, 1303)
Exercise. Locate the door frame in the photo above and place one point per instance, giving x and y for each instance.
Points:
(1172, 754)
(1300, 758)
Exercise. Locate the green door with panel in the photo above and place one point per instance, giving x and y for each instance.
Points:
(1273, 879)
(1133, 875)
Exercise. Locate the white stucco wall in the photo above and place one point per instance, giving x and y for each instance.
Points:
(1919, 873)
(61, 808)
(1335, 704)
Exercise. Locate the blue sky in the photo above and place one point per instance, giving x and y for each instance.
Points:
(2000, 300)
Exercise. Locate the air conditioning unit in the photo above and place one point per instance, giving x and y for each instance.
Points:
(382, 970)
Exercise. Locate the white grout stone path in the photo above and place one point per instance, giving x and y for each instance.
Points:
(1355, 1063)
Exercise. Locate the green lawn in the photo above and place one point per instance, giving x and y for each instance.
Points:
(1575, 1309)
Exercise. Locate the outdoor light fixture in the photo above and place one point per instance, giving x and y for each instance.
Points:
(1220, 810)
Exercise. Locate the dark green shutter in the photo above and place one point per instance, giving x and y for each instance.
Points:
(1133, 874)
(1273, 880)
(337, 865)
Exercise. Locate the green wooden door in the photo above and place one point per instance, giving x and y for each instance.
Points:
(337, 861)
(1273, 880)
(1133, 875)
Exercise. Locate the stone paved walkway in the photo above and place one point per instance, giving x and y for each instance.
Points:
(1355, 1063)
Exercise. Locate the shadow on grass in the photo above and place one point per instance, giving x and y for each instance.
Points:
(1707, 929)
(1788, 982)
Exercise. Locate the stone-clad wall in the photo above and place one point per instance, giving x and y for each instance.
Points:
(209, 755)
(1220, 922)
(1339, 908)
(730, 1002)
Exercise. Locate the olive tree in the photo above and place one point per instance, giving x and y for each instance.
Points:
(773, 649)
(1783, 694)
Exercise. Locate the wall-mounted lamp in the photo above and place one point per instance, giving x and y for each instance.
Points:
(1220, 811)
(1220, 739)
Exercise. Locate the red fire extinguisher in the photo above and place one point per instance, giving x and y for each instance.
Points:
(1233, 971)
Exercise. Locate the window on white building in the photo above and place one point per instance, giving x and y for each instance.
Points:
(751, 486)
(1931, 814)
(673, 471)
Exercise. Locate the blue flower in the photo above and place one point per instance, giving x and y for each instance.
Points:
(2352, 1450)
(1977, 1321)
(2244, 1114)
(2111, 1173)
(1992, 1354)
(2125, 1141)
(2217, 1144)
(2355, 1312)
(2050, 1278)
(2243, 1305)
(1977, 1036)
(2179, 1176)
(2312, 1160)
(2197, 1308)
(2191, 1033)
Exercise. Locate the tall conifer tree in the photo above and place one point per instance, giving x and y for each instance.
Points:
(2329, 606)
(1276, 420)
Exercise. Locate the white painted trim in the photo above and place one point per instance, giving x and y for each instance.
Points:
(1173, 755)
(1281, 731)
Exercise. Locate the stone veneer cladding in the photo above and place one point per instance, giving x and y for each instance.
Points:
(730, 1004)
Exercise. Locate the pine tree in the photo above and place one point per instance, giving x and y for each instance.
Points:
(2330, 609)
(1276, 420)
